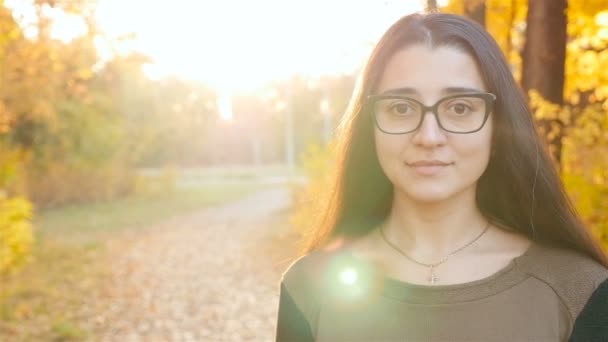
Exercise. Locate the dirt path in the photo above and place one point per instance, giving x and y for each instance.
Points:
(209, 276)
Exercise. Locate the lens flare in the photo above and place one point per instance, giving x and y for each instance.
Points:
(349, 276)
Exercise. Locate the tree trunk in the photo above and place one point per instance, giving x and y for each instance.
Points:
(513, 10)
(476, 10)
(544, 58)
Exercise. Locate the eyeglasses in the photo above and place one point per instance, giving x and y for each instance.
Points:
(462, 113)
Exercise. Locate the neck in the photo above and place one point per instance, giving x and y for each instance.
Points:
(433, 230)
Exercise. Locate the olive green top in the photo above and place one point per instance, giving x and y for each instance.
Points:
(333, 296)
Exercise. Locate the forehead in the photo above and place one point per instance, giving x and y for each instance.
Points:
(430, 71)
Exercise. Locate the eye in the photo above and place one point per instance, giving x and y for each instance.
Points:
(459, 108)
(401, 108)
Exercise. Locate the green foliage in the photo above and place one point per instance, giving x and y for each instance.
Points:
(11, 169)
(151, 184)
(71, 141)
(81, 157)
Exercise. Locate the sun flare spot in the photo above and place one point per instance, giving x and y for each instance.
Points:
(349, 276)
(225, 107)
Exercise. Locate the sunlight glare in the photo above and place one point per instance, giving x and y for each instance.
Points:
(602, 18)
(152, 71)
(225, 107)
(349, 276)
(442, 3)
(66, 27)
(241, 45)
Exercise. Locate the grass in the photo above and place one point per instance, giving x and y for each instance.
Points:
(230, 171)
(93, 221)
(68, 331)
(50, 298)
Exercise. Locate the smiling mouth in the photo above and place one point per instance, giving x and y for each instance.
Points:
(427, 163)
(428, 168)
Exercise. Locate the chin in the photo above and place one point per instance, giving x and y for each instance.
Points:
(428, 195)
(428, 198)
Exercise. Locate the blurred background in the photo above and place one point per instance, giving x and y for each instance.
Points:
(160, 160)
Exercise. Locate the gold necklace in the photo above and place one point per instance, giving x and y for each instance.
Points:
(432, 276)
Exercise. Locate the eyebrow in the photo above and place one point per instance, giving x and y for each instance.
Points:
(413, 91)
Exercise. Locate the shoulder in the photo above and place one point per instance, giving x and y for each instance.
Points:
(304, 281)
(562, 265)
(314, 266)
(572, 275)
(304, 270)
(592, 323)
(565, 257)
(311, 275)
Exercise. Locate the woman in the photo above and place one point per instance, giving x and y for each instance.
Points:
(447, 220)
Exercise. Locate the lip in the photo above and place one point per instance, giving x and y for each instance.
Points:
(428, 167)
(427, 163)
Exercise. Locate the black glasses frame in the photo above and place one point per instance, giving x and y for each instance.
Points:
(487, 97)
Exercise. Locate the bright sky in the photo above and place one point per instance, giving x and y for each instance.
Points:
(240, 44)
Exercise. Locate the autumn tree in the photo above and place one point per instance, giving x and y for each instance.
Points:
(476, 10)
(544, 59)
(16, 234)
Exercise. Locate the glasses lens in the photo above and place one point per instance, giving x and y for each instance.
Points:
(462, 114)
(397, 115)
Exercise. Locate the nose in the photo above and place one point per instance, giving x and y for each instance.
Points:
(429, 134)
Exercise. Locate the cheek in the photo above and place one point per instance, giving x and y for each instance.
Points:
(475, 155)
(388, 147)
(486, 143)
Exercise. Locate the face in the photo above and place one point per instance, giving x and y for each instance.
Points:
(430, 164)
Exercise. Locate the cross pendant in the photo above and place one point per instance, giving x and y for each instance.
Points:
(433, 278)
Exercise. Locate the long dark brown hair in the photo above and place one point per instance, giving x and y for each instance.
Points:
(519, 189)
